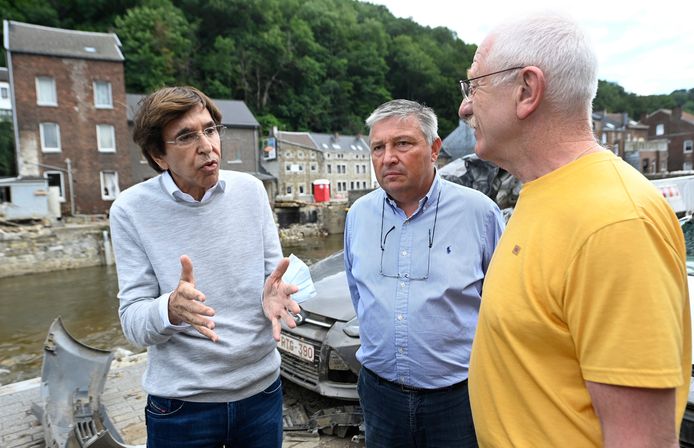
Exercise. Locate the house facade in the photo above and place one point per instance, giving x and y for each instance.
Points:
(5, 101)
(677, 127)
(68, 93)
(615, 130)
(306, 161)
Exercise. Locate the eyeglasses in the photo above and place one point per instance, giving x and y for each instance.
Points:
(190, 138)
(383, 239)
(469, 90)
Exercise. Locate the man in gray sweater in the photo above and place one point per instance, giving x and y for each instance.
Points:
(212, 374)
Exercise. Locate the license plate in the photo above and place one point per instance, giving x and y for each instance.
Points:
(296, 347)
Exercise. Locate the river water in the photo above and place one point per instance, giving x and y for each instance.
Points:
(86, 300)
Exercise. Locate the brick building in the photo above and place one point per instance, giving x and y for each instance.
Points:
(68, 92)
(677, 127)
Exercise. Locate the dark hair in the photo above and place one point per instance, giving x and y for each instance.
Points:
(161, 108)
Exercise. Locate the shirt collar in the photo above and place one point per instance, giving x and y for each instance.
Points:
(433, 191)
(175, 192)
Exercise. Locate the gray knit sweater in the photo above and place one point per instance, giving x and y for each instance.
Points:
(233, 243)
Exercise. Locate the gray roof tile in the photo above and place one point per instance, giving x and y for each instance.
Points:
(35, 39)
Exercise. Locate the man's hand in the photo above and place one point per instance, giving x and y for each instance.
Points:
(277, 301)
(186, 303)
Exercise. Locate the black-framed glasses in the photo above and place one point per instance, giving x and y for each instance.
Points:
(189, 138)
(382, 241)
(468, 89)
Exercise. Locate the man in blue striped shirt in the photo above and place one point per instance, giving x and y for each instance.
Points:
(416, 252)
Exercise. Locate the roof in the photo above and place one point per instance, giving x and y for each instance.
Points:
(42, 40)
(686, 116)
(617, 121)
(339, 143)
(301, 139)
(460, 142)
(234, 112)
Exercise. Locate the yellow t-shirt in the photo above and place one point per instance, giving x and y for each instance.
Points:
(588, 282)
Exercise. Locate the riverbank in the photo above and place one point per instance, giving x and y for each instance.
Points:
(38, 247)
(124, 401)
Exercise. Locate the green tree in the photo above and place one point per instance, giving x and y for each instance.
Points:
(8, 166)
(157, 41)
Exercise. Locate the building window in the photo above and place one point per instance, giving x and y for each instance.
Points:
(4, 93)
(109, 185)
(659, 129)
(330, 169)
(102, 95)
(313, 167)
(106, 138)
(45, 91)
(55, 179)
(300, 154)
(351, 185)
(313, 155)
(301, 188)
(688, 146)
(288, 154)
(289, 189)
(50, 137)
(5, 194)
(235, 155)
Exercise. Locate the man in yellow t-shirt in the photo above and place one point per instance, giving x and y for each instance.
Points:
(584, 330)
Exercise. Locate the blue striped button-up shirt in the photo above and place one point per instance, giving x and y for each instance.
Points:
(417, 306)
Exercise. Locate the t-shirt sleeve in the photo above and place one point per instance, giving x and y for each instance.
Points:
(625, 296)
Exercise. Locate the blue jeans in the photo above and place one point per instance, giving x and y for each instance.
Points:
(254, 422)
(399, 418)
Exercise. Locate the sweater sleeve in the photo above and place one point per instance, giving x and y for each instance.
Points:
(139, 294)
(271, 239)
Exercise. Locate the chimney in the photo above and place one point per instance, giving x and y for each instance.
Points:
(677, 113)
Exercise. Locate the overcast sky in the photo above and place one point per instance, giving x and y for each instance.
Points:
(647, 47)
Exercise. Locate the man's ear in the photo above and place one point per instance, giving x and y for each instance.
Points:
(436, 149)
(161, 162)
(531, 92)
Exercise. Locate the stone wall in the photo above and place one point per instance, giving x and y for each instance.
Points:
(33, 249)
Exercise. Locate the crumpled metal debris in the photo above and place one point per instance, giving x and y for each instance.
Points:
(72, 381)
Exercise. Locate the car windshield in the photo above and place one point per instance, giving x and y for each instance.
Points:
(688, 230)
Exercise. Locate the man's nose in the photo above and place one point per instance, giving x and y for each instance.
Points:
(390, 154)
(465, 110)
(204, 143)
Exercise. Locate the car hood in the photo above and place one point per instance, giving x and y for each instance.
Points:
(332, 293)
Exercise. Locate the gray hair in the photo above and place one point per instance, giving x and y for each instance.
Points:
(556, 44)
(403, 109)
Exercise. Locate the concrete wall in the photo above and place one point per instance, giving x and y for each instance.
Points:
(30, 250)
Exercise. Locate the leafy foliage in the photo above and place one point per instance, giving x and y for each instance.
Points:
(319, 65)
(7, 156)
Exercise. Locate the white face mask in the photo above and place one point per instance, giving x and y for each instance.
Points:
(298, 274)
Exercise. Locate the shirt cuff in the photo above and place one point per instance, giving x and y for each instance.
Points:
(164, 314)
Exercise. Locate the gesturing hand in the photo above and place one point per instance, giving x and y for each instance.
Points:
(186, 303)
(277, 301)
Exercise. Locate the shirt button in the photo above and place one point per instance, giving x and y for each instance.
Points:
(406, 275)
(401, 350)
(404, 253)
(402, 284)
(400, 317)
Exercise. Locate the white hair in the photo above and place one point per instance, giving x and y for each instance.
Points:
(556, 44)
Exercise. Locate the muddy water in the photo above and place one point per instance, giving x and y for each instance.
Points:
(86, 300)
